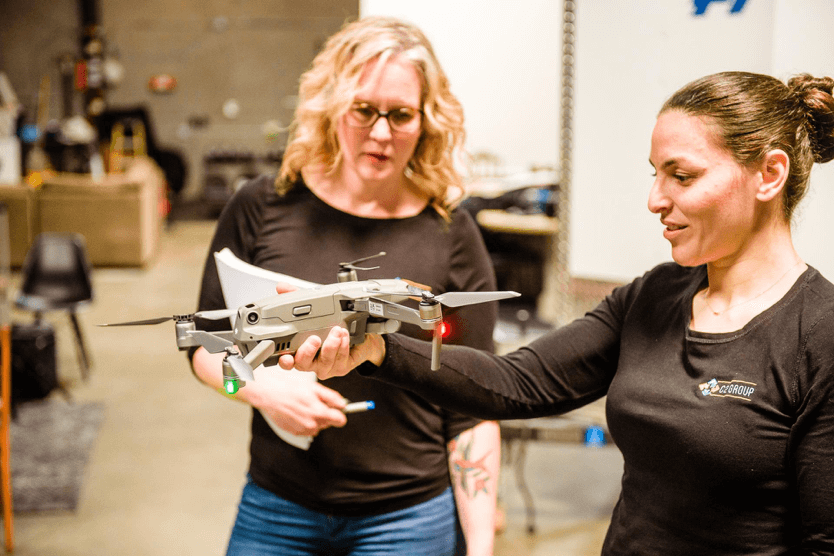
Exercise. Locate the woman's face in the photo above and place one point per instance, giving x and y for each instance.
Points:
(705, 199)
(378, 154)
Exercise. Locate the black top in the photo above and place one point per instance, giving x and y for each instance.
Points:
(394, 456)
(728, 439)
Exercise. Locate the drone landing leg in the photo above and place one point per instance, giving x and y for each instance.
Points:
(232, 380)
(260, 353)
(436, 342)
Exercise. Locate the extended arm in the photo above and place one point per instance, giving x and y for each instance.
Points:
(564, 369)
(474, 463)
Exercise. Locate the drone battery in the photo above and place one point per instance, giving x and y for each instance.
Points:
(34, 372)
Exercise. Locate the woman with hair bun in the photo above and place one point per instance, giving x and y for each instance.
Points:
(718, 367)
(370, 167)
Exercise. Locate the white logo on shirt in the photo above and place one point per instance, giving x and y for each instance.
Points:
(739, 389)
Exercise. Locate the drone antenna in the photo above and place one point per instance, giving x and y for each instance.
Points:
(347, 271)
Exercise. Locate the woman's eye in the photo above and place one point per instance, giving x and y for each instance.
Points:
(364, 111)
(402, 116)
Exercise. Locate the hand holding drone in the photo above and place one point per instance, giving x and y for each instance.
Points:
(277, 325)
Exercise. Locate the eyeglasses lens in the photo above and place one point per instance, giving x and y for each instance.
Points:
(400, 119)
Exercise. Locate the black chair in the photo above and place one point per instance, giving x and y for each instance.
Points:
(56, 277)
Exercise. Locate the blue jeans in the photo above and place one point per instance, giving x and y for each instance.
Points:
(267, 524)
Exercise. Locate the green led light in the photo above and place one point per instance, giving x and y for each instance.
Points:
(231, 387)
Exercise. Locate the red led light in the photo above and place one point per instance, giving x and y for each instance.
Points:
(445, 330)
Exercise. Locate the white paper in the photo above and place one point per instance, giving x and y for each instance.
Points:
(244, 283)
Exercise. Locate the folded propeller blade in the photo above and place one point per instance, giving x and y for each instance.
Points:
(216, 314)
(209, 315)
(352, 265)
(140, 322)
(459, 299)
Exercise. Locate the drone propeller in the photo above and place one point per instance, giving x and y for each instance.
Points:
(454, 299)
(460, 299)
(209, 315)
(352, 265)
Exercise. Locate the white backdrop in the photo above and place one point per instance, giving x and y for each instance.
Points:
(503, 59)
(803, 43)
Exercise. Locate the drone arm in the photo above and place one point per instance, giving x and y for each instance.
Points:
(260, 353)
(237, 370)
(429, 317)
(390, 310)
(184, 338)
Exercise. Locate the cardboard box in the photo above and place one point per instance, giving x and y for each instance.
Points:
(20, 200)
(119, 216)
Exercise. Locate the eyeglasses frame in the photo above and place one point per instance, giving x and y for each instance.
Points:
(382, 114)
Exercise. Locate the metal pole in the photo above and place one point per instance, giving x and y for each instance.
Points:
(558, 309)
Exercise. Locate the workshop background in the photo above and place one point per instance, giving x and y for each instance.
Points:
(132, 123)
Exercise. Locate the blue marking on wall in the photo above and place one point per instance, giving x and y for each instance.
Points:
(701, 5)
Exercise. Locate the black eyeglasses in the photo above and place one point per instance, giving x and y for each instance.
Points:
(404, 119)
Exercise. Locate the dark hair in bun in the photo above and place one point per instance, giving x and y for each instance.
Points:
(815, 94)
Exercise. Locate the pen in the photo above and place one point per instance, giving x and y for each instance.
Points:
(356, 407)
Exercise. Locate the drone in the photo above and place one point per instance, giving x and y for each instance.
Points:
(277, 325)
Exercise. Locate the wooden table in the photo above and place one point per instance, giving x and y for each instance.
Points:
(513, 223)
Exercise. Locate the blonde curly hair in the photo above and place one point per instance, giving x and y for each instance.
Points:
(328, 89)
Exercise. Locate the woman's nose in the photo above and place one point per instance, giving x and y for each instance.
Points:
(658, 200)
(381, 130)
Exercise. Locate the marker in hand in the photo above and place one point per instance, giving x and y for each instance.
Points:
(356, 407)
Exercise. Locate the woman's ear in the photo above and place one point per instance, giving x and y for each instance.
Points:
(774, 171)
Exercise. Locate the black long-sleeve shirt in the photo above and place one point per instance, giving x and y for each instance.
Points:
(727, 439)
(394, 456)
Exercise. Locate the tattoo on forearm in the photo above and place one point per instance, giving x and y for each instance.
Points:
(474, 477)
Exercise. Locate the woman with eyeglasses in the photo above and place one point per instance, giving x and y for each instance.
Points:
(370, 167)
(718, 367)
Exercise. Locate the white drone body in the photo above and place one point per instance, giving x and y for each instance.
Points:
(279, 324)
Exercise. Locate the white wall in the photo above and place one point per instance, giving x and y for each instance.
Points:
(802, 44)
(632, 55)
(503, 59)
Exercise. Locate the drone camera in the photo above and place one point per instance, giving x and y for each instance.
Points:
(253, 317)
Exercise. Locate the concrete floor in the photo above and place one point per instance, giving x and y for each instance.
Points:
(169, 462)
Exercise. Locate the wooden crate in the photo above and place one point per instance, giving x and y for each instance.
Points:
(119, 216)
(21, 204)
